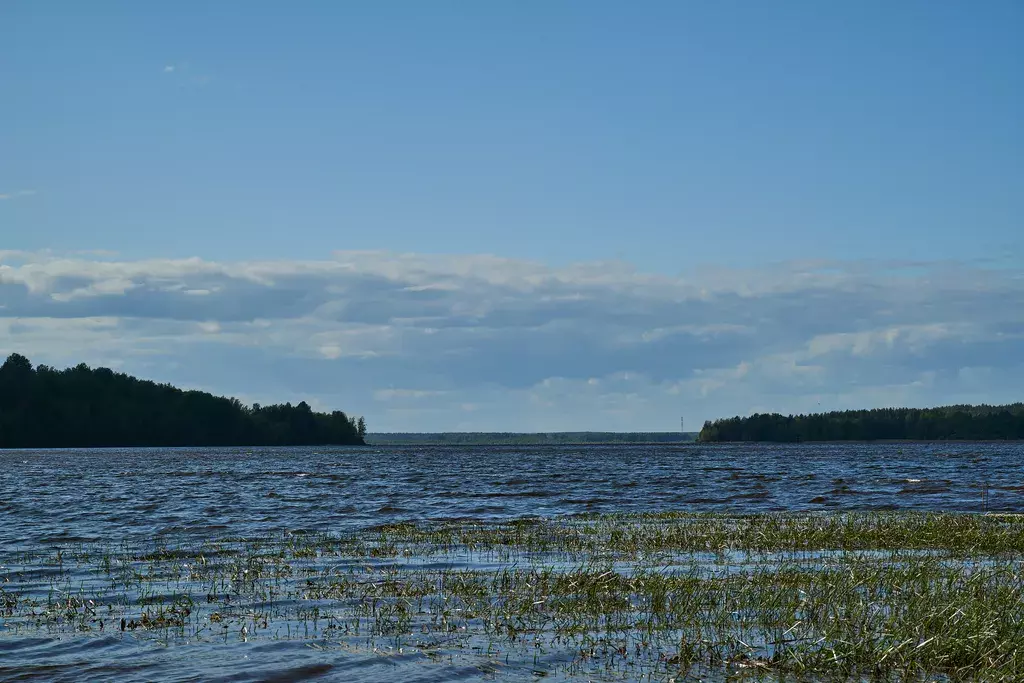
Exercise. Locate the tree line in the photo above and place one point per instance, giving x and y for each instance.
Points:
(959, 422)
(92, 407)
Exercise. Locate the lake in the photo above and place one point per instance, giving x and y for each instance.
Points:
(76, 501)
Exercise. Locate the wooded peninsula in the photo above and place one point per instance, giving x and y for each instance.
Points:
(95, 407)
(947, 423)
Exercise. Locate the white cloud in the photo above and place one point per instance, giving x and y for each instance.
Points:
(526, 345)
(105, 287)
(330, 351)
(404, 394)
(183, 74)
(913, 337)
(4, 196)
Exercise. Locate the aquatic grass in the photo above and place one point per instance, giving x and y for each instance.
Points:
(888, 596)
(625, 535)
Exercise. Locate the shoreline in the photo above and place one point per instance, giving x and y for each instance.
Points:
(866, 441)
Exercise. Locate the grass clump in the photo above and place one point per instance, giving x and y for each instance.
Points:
(884, 596)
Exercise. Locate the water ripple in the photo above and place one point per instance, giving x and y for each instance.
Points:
(66, 497)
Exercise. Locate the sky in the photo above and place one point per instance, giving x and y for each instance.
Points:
(524, 216)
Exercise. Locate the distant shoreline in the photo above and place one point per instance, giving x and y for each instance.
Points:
(437, 444)
(371, 442)
(476, 444)
(527, 438)
(963, 423)
(859, 441)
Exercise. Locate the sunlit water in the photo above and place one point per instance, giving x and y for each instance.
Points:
(54, 499)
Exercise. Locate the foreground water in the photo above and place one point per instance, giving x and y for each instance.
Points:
(68, 500)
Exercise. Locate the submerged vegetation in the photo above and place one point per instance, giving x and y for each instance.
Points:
(928, 424)
(885, 596)
(81, 407)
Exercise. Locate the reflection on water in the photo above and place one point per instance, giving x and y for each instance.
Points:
(193, 496)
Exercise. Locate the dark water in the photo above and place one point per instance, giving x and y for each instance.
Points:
(61, 498)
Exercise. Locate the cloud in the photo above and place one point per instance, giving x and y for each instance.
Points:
(5, 196)
(184, 75)
(405, 394)
(412, 340)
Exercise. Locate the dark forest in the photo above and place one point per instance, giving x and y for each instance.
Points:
(95, 407)
(960, 422)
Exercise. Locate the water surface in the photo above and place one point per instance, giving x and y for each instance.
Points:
(51, 499)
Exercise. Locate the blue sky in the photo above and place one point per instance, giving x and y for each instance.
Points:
(581, 215)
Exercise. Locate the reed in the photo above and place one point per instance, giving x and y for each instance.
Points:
(884, 596)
